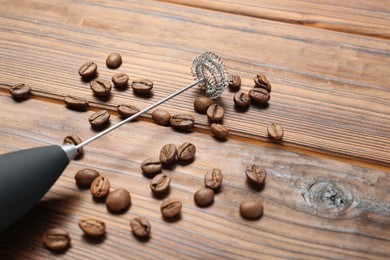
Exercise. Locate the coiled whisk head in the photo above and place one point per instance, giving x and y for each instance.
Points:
(209, 67)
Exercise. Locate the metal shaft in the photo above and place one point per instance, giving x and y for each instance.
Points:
(93, 138)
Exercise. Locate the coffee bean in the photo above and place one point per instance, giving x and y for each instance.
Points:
(20, 91)
(99, 118)
(170, 207)
(201, 104)
(92, 227)
(85, 177)
(120, 80)
(118, 200)
(126, 111)
(186, 151)
(275, 131)
(234, 82)
(56, 239)
(255, 174)
(251, 209)
(151, 166)
(204, 197)
(140, 227)
(88, 69)
(76, 103)
(160, 183)
(100, 187)
(101, 87)
(215, 113)
(241, 100)
(219, 130)
(262, 82)
(161, 117)
(213, 179)
(142, 86)
(74, 140)
(168, 154)
(114, 60)
(182, 122)
(259, 95)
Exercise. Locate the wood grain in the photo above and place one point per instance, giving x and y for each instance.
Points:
(300, 219)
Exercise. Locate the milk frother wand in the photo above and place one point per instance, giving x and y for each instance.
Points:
(26, 175)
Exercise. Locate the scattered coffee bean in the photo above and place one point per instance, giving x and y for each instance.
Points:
(120, 80)
(170, 207)
(261, 81)
(201, 104)
(118, 200)
(56, 239)
(219, 130)
(88, 69)
(142, 86)
(76, 103)
(74, 140)
(114, 60)
(100, 187)
(160, 183)
(161, 117)
(126, 111)
(215, 113)
(275, 131)
(204, 197)
(92, 227)
(213, 179)
(151, 166)
(251, 209)
(186, 151)
(101, 87)
(99, 118)
(20, 91)
(234, 82)
(168, 154)
(140, 227)
(85, 177)
(241, 100)
(255, 174)
(182, 122)
(259, 95)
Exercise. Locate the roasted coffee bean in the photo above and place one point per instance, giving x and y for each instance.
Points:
(85, 177)
(88, 69)
(182, 122)
(160, 183)
(120, 80)
(92, 227)
(101, 87)
(76, 103)
(20, 91)
(114, 60)
(261, 81)
(170, 207)
(168, 154)
(74, 140)
(100, 187)
(201, 104)
(186, 151)
(275, 131)
(99, 118)
(259, 95)
(241, 100)
(161, 117)
(215, 113)
(251, 209)
(118, 200)
(219, 130)
(126, 111)
(204, 197)
(256, 174)
(234, 82)
(151, 166)
(56, 239)
(142, 86)
(140, 227)
(213, 179)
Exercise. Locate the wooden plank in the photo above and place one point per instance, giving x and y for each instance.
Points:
(330, 90)
(300, 220)
(370, 18)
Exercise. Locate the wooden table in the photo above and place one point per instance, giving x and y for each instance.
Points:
(327, 194)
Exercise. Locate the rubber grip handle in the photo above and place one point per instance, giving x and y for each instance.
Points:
(25, 177)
